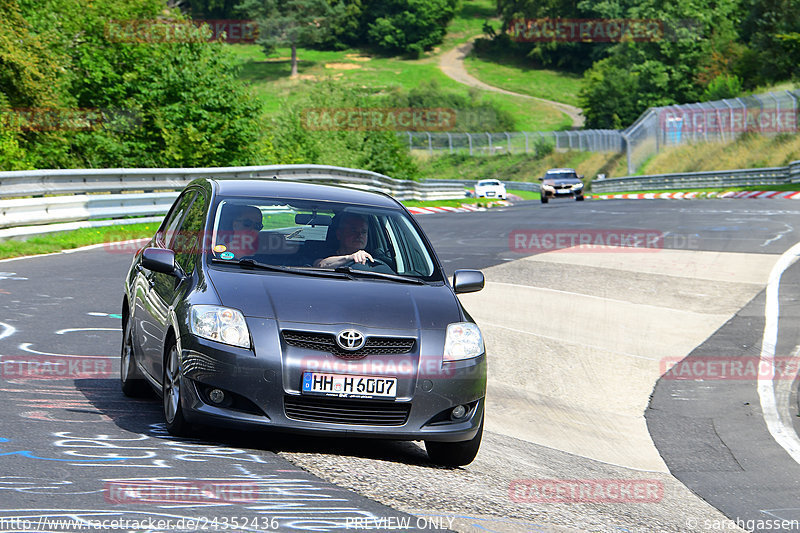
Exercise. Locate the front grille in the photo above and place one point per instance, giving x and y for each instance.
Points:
(334, 411)
(326, 342)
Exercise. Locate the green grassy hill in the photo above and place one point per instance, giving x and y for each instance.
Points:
(374, 74)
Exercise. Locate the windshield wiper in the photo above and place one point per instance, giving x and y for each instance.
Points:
(250, 263)
(382, 275)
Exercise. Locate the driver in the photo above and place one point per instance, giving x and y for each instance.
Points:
(352, 236)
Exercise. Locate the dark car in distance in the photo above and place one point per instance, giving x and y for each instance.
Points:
(561, 183)
(229, 315)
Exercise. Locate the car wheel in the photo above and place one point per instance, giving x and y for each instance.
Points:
(173, 409)
(544, 199)
(132, 386)
(455, 453)
(579, 198)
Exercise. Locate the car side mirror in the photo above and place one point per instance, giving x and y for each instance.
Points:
(159, 260)
(541, 179)
(467, 281)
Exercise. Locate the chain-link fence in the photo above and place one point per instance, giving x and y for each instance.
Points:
(517, 142)
(656, 128)
(717, 121)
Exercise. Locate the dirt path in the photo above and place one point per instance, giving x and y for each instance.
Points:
(452, 64)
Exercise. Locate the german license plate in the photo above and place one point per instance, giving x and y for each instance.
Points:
(346, 386)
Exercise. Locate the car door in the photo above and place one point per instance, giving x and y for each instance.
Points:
(187, 245)
(152, 310)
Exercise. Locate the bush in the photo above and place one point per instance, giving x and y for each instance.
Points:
(542, 147)
(408, 26)
(723, 86)
(291, 141)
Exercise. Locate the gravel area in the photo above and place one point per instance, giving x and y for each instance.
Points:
(478, 497)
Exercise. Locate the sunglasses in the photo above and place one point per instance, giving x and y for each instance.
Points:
(247, 223)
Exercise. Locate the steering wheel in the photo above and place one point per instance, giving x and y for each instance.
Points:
(376, 265)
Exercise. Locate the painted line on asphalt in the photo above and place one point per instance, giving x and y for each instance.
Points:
(783, 434)
(72, 330)
(8, 330)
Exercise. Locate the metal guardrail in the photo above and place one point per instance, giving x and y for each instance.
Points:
(42, 201)
(510, 185)
(754, 177)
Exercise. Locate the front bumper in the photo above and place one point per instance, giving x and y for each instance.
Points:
(265, 387)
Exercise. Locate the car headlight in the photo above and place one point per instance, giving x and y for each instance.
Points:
(463, 341)
(220, 324)
(548, 187)
(578, 186)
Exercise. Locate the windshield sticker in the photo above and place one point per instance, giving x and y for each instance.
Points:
(226, 255)
(220, 248)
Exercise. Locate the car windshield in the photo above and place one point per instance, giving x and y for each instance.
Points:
(300, 233)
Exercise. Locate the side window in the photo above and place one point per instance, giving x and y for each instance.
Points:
(411, 248)
(175, 216)
(188, 239)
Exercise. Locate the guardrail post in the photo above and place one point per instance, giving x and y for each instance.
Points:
(489, 135)
(469, 138)
(450, 142)
(508, 138)
(525, 133)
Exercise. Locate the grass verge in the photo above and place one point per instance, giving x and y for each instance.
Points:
(67, 240)
(513, 74)
(514, 167)
(706, 190)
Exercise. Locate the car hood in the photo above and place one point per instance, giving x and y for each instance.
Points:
(315, 300)
(561, 181)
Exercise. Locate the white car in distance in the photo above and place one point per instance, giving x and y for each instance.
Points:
(490, 189)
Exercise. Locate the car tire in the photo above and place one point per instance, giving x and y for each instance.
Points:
(579, 198)
(173, 408)
(544, 199)
(455, 453)
(132, 386)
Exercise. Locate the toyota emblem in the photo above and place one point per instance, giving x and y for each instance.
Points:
(350, 340)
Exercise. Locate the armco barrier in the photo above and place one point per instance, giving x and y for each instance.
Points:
(42, 201)
(754, 177)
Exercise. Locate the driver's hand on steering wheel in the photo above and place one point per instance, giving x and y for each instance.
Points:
(361, 257)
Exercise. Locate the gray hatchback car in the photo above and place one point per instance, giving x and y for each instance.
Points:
(251, 307)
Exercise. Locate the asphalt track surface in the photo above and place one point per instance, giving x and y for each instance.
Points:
(64, 442)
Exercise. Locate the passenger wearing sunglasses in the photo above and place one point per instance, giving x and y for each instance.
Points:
(240, 237)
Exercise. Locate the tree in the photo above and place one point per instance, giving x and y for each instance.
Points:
(170, 102)
(291, 23)
(408, 26)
